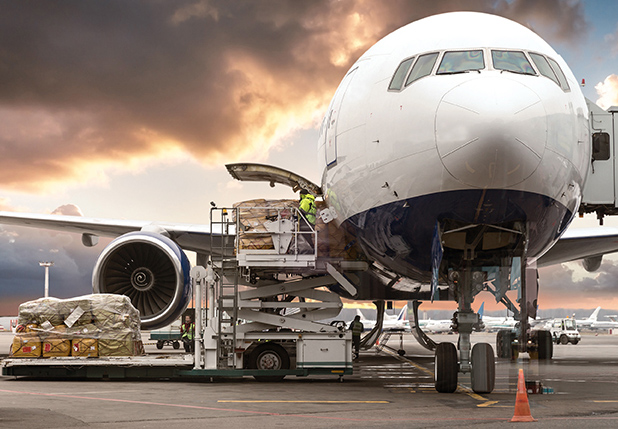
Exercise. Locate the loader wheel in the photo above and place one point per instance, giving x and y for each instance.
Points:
(160, 344)
(269, 356)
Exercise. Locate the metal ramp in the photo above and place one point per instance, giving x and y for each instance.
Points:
(226, 298)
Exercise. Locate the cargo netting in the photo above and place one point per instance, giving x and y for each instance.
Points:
(86, 326)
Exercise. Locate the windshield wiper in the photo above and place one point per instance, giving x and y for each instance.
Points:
(459, 71)
(516, 72)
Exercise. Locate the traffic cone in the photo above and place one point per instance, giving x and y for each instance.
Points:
(522, 407)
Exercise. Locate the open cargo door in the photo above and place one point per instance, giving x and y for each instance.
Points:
(268, 173)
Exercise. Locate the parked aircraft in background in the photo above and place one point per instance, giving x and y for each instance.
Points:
(493, 323)
(457, 145)
(589, 321)
(391, 322)
(438, 326)
(593, 322)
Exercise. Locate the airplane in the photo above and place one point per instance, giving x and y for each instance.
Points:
(590, 321)
(496, 323)
(391, 322)
(437, 326)
(605, 324)
(457, 145)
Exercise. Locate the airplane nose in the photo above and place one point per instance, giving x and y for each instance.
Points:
(491, 132)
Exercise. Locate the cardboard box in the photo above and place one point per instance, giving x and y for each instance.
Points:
(53, 347)
(26, 345)
(85, 347)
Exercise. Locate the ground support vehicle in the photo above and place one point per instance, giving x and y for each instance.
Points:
(564, 331)
(267, 329)
(166, 337)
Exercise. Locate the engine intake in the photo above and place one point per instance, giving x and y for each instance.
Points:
(151, 270)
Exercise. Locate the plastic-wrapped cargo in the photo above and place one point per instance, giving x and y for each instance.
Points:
(90, 325)
(333, 241)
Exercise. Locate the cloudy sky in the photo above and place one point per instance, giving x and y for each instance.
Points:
(130, 110)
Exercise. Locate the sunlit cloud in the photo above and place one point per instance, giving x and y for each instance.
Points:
(607, 91)
(88, 95)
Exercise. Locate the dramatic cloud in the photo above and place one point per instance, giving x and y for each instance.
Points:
(608, 92)
(89, 86)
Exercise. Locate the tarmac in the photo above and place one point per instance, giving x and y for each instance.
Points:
(386, 390)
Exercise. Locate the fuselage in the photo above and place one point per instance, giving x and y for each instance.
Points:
(465, 118)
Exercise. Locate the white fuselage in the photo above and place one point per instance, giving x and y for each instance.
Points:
(486, 146)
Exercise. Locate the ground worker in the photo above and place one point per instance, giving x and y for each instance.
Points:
(309, 211)
(186, 330)
(357, 329)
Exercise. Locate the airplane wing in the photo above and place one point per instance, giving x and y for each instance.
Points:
(581, 243)
(192, 237)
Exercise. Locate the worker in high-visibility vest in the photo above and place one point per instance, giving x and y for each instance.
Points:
(309, 212)
(187, 330)
(357, 329)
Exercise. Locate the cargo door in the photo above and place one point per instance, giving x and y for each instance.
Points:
(330, 135)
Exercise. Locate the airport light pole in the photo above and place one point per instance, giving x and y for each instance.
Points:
(46, 265)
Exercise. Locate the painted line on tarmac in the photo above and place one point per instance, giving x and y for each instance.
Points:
(248, 401)
(432, 419)
(486, 403)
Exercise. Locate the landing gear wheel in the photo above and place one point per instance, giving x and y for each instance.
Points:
(403, 352)
(269, 356)
(160, 344)
(483, 376)
(503, 344)
(545, 345)
(564, 340)
(176, 345)
(446, 368)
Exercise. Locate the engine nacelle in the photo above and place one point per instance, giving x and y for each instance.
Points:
(593, 263)
(151, 270)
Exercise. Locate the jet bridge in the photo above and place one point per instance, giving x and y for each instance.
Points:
(600, 194)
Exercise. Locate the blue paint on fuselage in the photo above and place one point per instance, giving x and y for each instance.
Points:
(399, 234)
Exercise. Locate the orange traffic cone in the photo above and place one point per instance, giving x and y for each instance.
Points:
(522, 407)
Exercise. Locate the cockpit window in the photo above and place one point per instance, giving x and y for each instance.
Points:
(512, 61)
(422, 67)
(544, 67)
(461, 62)
(400, 74)
(561, 77)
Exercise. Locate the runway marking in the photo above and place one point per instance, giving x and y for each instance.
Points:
(461, 388)
(607, 401)
(432, 419)
(262, 413)
(302, 402)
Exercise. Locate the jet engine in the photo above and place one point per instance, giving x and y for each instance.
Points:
(592, 263)
(151, 270)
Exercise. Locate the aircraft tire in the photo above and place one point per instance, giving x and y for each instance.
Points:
(483, 376)
(446, 368)
(269, 356)
(545, 345)
(503, 344)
